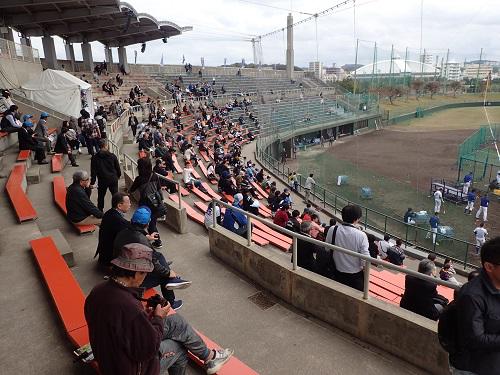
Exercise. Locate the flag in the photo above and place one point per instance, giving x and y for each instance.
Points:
(135, 56)
(161, 61)
(225, 61)
(183, 59)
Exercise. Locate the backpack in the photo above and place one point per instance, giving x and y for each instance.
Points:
(448, 327)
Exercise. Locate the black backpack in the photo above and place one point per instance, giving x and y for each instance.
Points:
(448, 327)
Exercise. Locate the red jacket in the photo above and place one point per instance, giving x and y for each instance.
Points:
(124, 339)
(281, 218)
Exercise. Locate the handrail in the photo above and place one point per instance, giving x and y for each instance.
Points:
(274, 165)
(295, 236)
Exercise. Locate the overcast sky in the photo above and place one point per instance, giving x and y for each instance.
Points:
(220, 28)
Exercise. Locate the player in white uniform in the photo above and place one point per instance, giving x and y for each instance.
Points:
(481, 234)
(438, 200)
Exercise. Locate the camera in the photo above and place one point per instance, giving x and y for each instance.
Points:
(156, 300)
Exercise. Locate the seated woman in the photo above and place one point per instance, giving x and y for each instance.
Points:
(209, 215)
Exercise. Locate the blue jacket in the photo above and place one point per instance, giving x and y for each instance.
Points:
(434, 221)
(468, 178)
(485, 201)
(471, 197)
(230, 217)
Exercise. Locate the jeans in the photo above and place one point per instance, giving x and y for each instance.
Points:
(91, 145)
(178, 337)
(102, 187)
(153, 280)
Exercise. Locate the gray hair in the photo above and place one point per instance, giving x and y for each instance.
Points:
(426, 266)
(305, 226)
(80, 175)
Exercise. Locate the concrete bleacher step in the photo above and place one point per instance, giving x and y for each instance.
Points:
(33, 175)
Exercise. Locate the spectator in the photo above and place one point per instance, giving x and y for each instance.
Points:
(162, 275)
(80, 208)
(349, 269)
(104, 167)
(293, 223)
(42, 132)
(372, 246)
(128, 338)
(133, 122)
(308, 186)
(306, 251)
(316, 229)
(10, 123)
(331, 223)
(447, 272)
(149, 186)
(5, 101)
(189, 180)
(249, 203)
(409, 217)
(159, 168)
(113, 222)
(211, 172)
(209, 217)
(420, 295)
(395, 254)
(91, 132)
(383, 246)
(478, 306)
(62, 145)
(282, 216)
(236, 221)
(28, 141)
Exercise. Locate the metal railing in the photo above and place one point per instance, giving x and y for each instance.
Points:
(295, 237)
(376, 220)
(17, 51)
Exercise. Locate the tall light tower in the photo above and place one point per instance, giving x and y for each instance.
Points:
(289, 47)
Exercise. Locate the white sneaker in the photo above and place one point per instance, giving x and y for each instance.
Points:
(221, 357)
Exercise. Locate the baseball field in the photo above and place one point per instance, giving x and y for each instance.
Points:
(397, 163)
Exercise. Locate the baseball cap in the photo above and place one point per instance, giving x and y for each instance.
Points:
(26, 117)
(44, 115)
(28, 123)
(141, 216)
(238, 198)
(135, 257)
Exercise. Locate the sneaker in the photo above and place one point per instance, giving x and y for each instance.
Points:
(177, 283)
(157, 244)
(177, 304)
(221, 357)
(162, 218)
(74, 165)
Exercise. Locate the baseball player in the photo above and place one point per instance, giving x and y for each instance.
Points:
(471, 197)
(434, 223)
(481, 234)
(438, 200)
(483, 208)
(467, 183)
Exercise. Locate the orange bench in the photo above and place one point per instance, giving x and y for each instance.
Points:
(60, 199)
(200, 194)
(263, 227)
(204, 156)
(205, 172)
(24, 155)
(191, 213)
(16, 190)
(260, 190)
(282, 245)
(211, 192)
(177, 167)
(57, 163)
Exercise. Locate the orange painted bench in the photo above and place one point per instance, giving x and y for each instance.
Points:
(211, 192)
(228, 197)
(204, 156)
(263, 227)
(60, 200)
(191, 213)
(23, 155)
(282, 245)
(259, 189)
(57, 163)
(205, 172)
(16, 190)
(200, 194)
(177, 167)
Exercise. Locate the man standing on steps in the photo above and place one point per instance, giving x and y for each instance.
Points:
(308, 186)
(113, 222)
(104, 167)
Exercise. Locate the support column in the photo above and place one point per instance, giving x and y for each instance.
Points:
(7, 33)
(49, 51)
(88, 62)
(26, 48)
(108, 56)
(122, 58)
(70, 55)
(289, 47)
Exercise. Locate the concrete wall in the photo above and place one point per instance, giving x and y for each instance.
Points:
(397, 331)
(17, 72)
(176, 218)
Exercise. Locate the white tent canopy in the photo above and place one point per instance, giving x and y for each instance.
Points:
(60, 91)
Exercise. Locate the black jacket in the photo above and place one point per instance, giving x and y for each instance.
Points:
(419, 297)
(137, 234)
(79, 205)
(478, 330)
(112, 223)
(26, 140)
(139, 183)
(105, 167)
(61, 146)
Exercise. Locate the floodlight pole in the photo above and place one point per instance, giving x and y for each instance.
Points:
(355, 68)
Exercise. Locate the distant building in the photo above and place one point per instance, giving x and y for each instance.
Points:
(333, 74)
(477, 70)
(452, 71)
(427, 59)
(484, 62)
(317, 68)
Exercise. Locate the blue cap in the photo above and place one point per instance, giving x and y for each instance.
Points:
(28, 123)
(141, 216)
(26, 117)
(44, 115)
